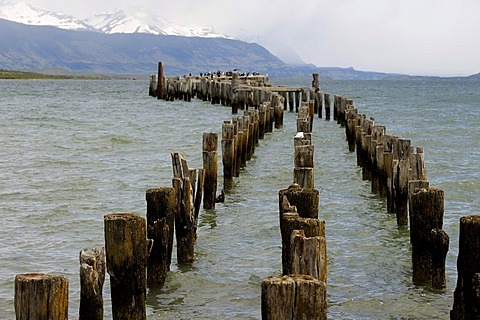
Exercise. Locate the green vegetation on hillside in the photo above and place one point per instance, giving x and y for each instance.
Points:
(9, 74)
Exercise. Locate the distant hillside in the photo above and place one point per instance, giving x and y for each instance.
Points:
(11, 75)
(475, 76)
(47, 49)
(39, 47)
(336, 73)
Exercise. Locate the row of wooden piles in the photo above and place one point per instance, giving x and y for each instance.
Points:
(301, 291)
(397, 172)
(232, 89)
(241, 135)
(138, 251)
(303, 234)
(240, 92)
(262, 111)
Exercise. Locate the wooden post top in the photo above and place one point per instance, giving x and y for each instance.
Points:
(36, 276)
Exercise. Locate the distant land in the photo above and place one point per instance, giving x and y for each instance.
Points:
(50, 50)
(24, 75)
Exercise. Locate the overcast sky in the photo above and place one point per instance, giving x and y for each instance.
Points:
(427, 37)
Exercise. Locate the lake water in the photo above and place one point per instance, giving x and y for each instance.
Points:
(73, 151)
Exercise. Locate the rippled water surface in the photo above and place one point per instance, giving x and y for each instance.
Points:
(73, 151)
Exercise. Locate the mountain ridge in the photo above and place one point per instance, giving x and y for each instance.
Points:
(117, 21)
(42, 47)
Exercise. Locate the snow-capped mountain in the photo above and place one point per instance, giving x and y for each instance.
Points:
(119, 22)
(140, 22)
(24, 13)
(116, 22)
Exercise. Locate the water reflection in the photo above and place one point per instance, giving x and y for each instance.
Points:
(208, 218)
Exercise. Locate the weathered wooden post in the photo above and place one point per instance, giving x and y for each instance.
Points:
(271, 115)
(365, 148)
(319, 101)
(41, 296)
(278, 112)
(189, 89)
(246, 140)
(360, 119)
(228, 153)
(401, 177)
(294, 297)
(242, 98)
(199, 192)
(168, 91)
(185, 224)
(344, 103)
(187, 206)
(382, 177)
(126, 249)
(303, 123)
(298, 210)
(160, 81)
(210, 164)
(238, 146)
(152, 88)
(466, 303)
(304, 92)
(351, 121)
(304, 199)
(218, 90)
(439, 243)
(376, 161)
(252, 136)
(223, 96)
(262, 120)
(327, 106)
(161, 211)
(285, 100)
(303, 115)
(252, 130)
(388, 165)
(309, 255)
(204, 88)
(311, 112)
(213, 91)
(92, 277)
(335, 106)
(315, 81)
(227, 94)
(302, 139)
(234, 88)
(290, 221)
(313, 96)
(412, 187)
(417, 165)
(304, 171)
(427, 214)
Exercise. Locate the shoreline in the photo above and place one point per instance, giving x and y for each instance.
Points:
(29, 75)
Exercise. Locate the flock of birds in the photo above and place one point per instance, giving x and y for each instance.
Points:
(228, 73)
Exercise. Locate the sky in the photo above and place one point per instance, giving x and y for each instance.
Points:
(417, 37)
